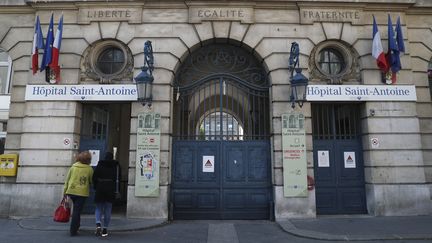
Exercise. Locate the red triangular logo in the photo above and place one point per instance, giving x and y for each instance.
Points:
(208, 163)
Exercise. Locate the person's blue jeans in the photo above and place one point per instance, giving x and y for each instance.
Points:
(78, 205)
(103, 208)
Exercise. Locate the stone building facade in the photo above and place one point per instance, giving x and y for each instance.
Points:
(395, 135)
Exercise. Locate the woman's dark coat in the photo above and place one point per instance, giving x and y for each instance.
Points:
(104, 180)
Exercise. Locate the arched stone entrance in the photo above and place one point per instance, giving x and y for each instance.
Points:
(221, 147)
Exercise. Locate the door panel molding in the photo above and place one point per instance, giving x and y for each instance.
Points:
(339, 190)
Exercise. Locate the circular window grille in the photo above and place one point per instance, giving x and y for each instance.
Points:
(111, 60)
(106, 61)
(331, 61)
(334, 62)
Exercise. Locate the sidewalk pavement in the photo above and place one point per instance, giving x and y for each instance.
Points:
(332, 228)
(88, 224)
(364, 227)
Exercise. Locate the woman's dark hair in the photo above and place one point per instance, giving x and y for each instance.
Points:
(109, 156)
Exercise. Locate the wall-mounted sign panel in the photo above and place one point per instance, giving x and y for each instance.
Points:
(294, 155)
(349, 160)
(361, 93)
(95, 156)
(109, 92)
(208, 164)
(4, 102)
(147, 155)
(323, 158)
(8, 164)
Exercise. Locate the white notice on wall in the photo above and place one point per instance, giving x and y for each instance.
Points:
(349, 159)
(208, 163)
(95, 157)
(323, 158)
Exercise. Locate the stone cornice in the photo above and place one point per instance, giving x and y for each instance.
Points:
(110, 4)
(384, 6)
(419, 11)
(16, 10)
(414, 7)
(219, 4)
(276, 5)
(52, 6)
(255, 4)
(331, 5)
(388, 7)
(165, 5)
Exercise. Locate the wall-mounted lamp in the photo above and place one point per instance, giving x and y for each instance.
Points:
(298, 81)
(144, 80)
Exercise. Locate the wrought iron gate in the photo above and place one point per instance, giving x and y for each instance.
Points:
(338, 162)
(221, 149)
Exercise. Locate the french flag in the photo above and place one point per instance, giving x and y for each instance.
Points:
(377, 49)
(37, 44)
(54, 66)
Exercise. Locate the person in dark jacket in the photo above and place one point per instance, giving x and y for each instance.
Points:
(106, 179)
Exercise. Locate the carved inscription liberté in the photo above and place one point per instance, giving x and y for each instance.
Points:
(87, 15)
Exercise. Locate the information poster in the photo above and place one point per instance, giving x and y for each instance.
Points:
(323, 158)
(95, 157)
(349, 160)
(208, 164)
(294, 155)
(147, 155)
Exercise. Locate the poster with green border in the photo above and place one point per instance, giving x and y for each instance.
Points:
(294, 155)
(147, 155)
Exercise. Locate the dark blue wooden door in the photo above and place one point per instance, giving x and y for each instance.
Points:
(338, 160)
(93, 137)
(239, 187)
(339, 190)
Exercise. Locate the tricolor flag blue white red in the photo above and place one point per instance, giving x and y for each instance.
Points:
(54, 66)
(377, 49)
(37, 44)
(46, 60)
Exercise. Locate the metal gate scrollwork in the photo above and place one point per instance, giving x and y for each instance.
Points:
(221, 94)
